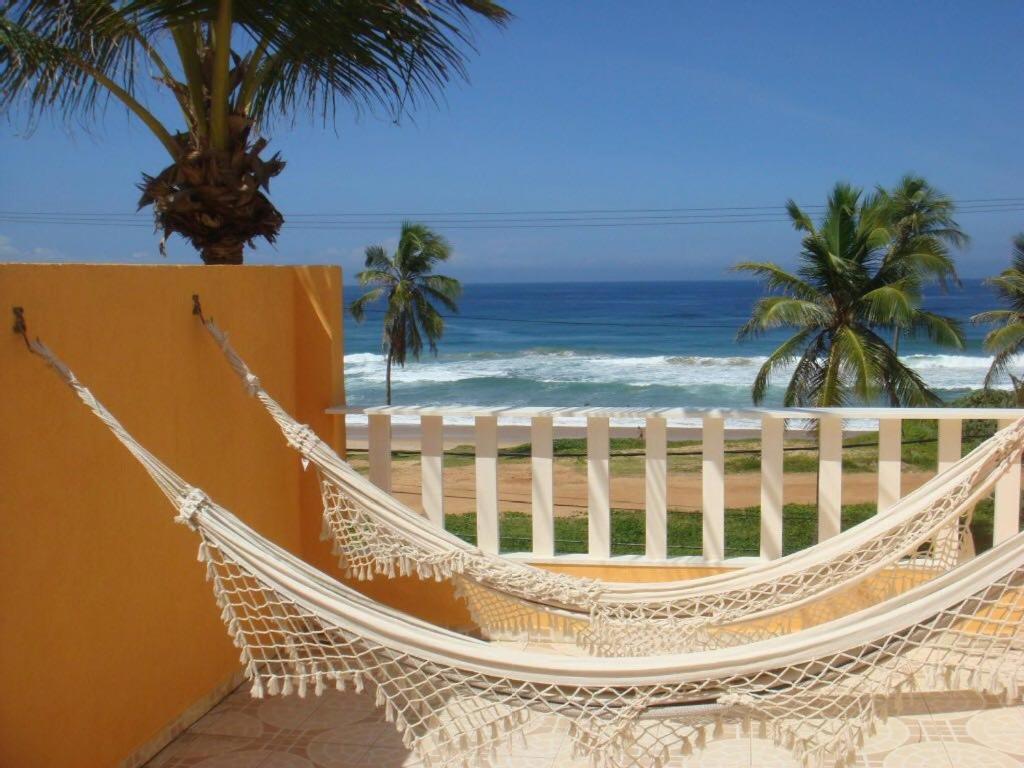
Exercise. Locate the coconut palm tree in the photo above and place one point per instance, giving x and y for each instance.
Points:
(843, 294)
(233, 70)
(411, 289)
(1006, 341)
(924, 229)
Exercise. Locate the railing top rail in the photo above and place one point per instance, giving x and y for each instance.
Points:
(516, 412)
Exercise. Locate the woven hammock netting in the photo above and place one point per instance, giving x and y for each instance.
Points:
(457, 701)
(923, 536)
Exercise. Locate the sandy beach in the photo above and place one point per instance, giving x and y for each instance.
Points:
(627, 492)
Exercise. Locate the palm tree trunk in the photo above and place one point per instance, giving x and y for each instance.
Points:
(389, 379)
(223, 253)
(896, 340)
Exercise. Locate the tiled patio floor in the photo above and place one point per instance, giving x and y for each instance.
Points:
(344, 730)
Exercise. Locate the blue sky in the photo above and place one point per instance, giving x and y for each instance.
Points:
(611, 105)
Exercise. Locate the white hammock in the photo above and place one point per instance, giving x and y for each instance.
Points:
(923, 535)
(819, 692)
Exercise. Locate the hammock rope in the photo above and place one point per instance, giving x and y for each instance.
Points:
(924, 535)
(457, 701)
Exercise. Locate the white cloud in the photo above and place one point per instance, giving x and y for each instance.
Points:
(11, 252)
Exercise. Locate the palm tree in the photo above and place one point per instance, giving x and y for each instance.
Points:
(923, 232)
(411, 288)
(1006, 341)
(844, 292)
(233, 69)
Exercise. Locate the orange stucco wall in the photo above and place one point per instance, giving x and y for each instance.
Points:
(108, 632)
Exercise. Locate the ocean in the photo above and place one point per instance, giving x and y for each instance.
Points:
(618, 344)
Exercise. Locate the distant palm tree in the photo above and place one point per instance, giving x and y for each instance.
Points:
(1006, 341)
(233, 69)
(923, 231)
(410, 317)
(843, 294)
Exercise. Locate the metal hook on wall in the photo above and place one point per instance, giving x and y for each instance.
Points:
(19, 325)
(197, 308)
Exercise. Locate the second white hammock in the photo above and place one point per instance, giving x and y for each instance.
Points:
(919, 538)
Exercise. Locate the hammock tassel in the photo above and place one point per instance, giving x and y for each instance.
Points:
(272, 686)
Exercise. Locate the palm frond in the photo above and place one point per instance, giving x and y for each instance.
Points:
(779, 311)
(801, 221)
(358, 307)
(888, 305)
(1001, 363)
(944, 331)
(801, 388)
(776, 279)
(783, 355)
(993, 316)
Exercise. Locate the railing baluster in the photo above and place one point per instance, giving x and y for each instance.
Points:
(890, 462)
(772, 435)
(598, 503)
(1007, 504)
(432, 467)
(379, 449)
(487, 483)
(948, 451)
(946, 546)
(713, 484)
(830, 476)
(656, 488)
(542, 481)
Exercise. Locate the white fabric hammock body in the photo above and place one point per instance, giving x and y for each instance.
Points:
(456, 700)
(922, 536)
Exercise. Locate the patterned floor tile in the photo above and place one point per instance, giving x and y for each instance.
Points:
(190, 747)
(345, 730)
(285, 760)
(929, 754)
(229, 722)
(286, 711)
(977, 756)
(1000, 729)
(890, 735)
(247, 758)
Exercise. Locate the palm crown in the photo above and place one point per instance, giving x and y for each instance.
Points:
(411, 288)
(1007, 340)
(233, 69)
(855, 279)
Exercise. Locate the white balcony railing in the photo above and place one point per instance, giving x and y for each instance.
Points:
(658, 426)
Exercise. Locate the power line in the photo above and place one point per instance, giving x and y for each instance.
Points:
(541, 212)
(487, 220)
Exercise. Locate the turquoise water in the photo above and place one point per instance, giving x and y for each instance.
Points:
(622, 344)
